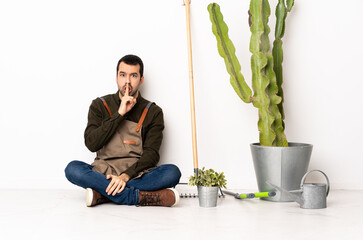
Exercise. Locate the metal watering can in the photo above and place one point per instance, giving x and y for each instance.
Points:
(310, 195)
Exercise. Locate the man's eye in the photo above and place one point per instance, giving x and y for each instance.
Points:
(134, 75)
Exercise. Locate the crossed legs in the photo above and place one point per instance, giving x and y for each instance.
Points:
(161, 177)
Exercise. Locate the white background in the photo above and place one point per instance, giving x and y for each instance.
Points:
(56, 56)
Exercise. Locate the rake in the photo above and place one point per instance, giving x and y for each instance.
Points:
(191, 87)
(192, 101)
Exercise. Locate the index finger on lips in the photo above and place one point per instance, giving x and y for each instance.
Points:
(127, 89)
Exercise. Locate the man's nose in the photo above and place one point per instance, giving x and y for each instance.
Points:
(128, 79)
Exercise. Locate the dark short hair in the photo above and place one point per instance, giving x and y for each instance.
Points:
(132, 60)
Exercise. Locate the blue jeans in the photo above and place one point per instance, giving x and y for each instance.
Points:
(164, 176)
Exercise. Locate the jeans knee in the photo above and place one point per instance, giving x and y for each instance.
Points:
(72, 170)
(174, 173)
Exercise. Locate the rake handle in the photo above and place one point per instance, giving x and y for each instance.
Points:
(191, 88)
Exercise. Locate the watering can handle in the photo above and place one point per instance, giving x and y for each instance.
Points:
(327, 179)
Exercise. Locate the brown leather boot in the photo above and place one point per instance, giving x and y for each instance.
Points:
(93, 198)
(166, 197)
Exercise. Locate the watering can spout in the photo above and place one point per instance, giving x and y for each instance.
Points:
(295, 195)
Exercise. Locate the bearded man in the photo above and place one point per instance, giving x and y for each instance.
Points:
(125, 131)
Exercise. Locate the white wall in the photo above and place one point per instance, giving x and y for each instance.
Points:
(56, 56)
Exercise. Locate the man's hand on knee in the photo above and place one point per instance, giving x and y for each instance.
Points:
(117, 184)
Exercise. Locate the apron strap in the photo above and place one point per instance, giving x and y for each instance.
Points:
(106, 105)
(139, 124)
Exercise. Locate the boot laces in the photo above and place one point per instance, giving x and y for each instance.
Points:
(150, 199)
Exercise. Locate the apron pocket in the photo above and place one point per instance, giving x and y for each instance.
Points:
(133, 147)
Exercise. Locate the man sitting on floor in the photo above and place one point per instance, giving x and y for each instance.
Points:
(126, 132)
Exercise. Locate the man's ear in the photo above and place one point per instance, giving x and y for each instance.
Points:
(141, 80)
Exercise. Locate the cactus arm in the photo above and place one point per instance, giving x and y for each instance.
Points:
(257, 43)
(261, 100)
(281, 14)
(264, 78)
(278, 124)
(278, 58)
(259, 28)
(261, 75)
(227, 50)
(289, 4)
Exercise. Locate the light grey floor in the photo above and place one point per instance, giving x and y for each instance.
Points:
(62, 214)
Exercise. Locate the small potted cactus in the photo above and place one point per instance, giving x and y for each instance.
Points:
(208, 182)
(275, 159)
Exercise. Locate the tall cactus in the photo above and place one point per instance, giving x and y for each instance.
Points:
(266, 66)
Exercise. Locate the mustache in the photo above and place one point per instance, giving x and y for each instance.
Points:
(122, 90)
(130, 87)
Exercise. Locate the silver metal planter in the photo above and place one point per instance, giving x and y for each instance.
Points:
(281, 166)
(207, 196)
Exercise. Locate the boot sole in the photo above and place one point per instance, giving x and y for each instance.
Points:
(176, 194)
(89, 197)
